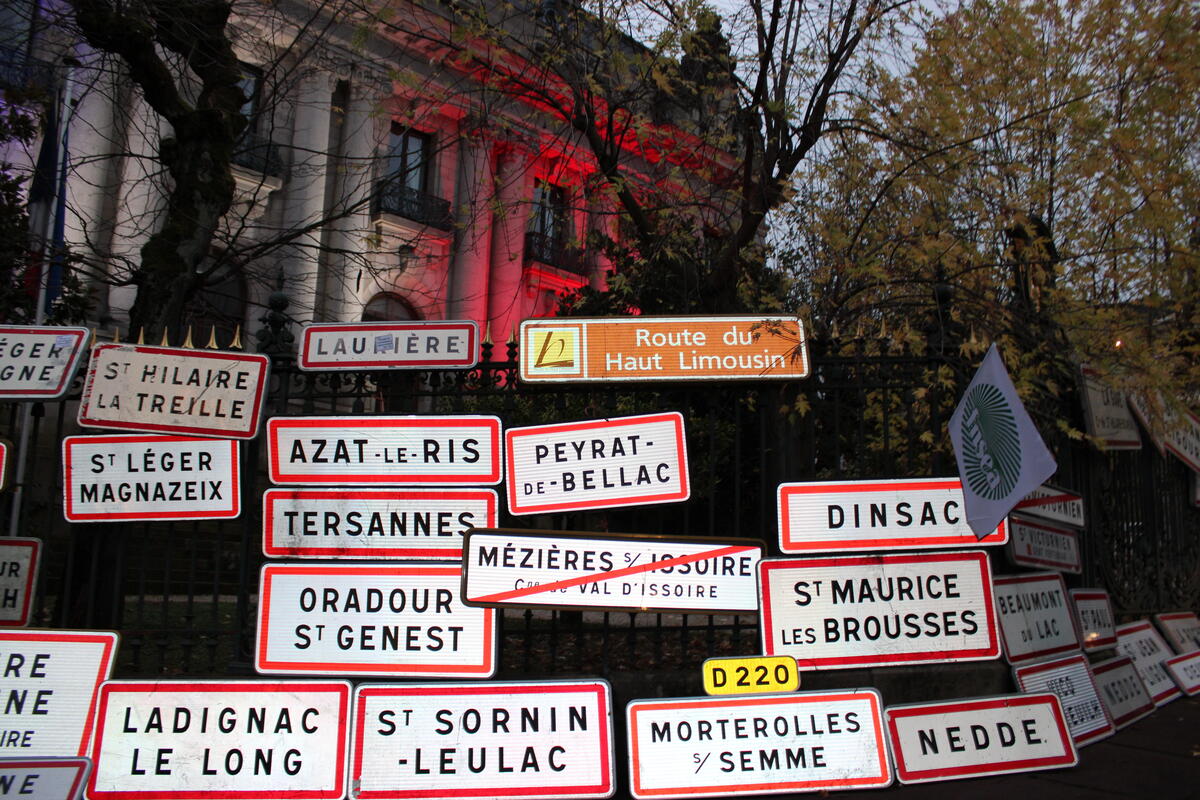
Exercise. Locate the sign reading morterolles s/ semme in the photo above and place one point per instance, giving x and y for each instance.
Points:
(1036, 544)
(390, 620)
(906, 514)
(663, 349)
(221, 739)
(864, 611)
(1071, 680)
(44, 778)
(38, 361)
(511, 740)
(1035, 616)
(123, 477)
(602, 463)
(704, 746)
(389, 345)
(19, 559)
(373, 523)
(174, 390)
(561, 569)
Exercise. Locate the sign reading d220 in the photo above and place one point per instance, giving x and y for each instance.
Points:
(38, 361)
(221, 739)
(603, 463)
(663, 349)
(811, 741)
(750, 675)
(389, 345)
(1035, 617)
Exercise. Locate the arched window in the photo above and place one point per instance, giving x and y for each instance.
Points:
(387, 307)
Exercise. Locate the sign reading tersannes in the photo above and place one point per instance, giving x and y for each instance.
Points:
(174, 390)
(581, 349)
(37, 361)
(389, 345)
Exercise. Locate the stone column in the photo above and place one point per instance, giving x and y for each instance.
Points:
(514, 190)
(473, 221)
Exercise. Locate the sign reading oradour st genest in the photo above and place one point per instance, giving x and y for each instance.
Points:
(1035, 616)
(174, 390)
(37, 362)
(452, 344)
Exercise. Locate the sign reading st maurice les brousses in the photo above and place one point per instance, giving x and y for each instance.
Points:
(446, 450)
(840, 516)
(602, 463)
(631, 572)
(373, 523)
(1070, 679)
(1056, 505)
(126, 477)
(865, 611)
(18, 575)
(389, 345)
(44, 778)
(1181, 630)
(1122, 690)
(37, 362)
(1036, 544)
(663, 349)
(1141, 642)
(1093, 612)
(510, 740)
(389, 620)
(1035, 617)
(174, 390)
(221, 739)
(705, 746)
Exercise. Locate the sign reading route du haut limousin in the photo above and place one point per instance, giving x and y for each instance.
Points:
(389, 345)
(663, 349)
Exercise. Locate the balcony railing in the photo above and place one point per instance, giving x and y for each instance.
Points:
(392, 197)
(20, 72)
(545, 249)
(258, 153)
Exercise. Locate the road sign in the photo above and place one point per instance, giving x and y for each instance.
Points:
(37, 362)
(602, 463)
(629, 572)
(1093, 612)
(5, 462)
(121, 477)
(1122, 690)
(490, 740)
(19, 560)
(44, 778)
(1107, 414)
(750, 675)
(50, 683)
(663, 349)
(1146, 648)
(1181, 629)
(164, 740)
(373, 523)
(868, 611)
(446, 450)
(1185, 670)
(391, 620)
(1035, 617)
(389, 345)
(1053, 504)
(1036, 544)
(876, 515)
(810, 741)
(981, 736)
(1070, 679)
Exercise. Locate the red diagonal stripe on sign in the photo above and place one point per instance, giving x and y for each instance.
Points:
(1045, 501)
(500, 597)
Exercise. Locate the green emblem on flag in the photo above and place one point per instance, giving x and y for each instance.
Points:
(990, 442)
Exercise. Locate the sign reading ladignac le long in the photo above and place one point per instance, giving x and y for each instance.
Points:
(663, 349)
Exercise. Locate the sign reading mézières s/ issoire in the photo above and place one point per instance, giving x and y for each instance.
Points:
(174, 390)
(37, 361)
(389, 345)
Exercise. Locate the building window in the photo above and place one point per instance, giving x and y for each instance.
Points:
(408, 158)
(387, 307)
(549, 229)
(251, 85)
(404, 189)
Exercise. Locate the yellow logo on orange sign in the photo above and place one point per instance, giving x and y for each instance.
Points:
(555, 351)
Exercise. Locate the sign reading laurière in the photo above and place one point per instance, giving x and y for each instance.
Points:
(38, 361)
(174, 390)
(389, 345)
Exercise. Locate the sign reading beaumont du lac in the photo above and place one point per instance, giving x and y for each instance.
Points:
(663, 348)
(389, 345)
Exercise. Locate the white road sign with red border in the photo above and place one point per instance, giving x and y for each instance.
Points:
(1122, 690)
(1143, 644)
(445, 450)
(174, 390)
(1036, 619)
(1185, 669)
(1036, 544)
(373, 523)
(1181, 629)
(5, 462)
(388, 620)
(19, 559)
(905, 514)
(601, 463)
(44, 778)
(1093, 613)
(37, 362)
(879, 610)
(1107, 414)
(1050, 503)
(1071, 680)
(765, 744)
(250, 740)
(124, 477)
(561, 569)
(980, 736)
(490, 740)
(450, 344)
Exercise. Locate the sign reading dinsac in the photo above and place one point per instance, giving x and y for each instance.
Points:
(174, 390)
(1181, 630)
(44, 778)
(37, 362)
(1093, 612)
(1071, 680)
(122, 477)
(750, 675)
(1107, 414)
(811, 741)
(1035, 617)
(450, 450)
(602, 463)
(221, 739)
(663, 348)
(981, 736)
(373, 523)
(392, 620)
(389, 345)
(18, 575)
(1122, 690)
(1141, 642)
(905, 514)
(562, 569)
(1055, 505)
(864, 611)
(1036, 544)
(50, 681)
(1185, 669)
(490, 740)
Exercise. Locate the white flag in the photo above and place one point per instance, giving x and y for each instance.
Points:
(1001, 457)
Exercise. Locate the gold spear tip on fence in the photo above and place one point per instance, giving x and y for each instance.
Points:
(116, 337)
(212, 339)
(487, 333)
(165, 341)
(141, 335)
(236, 344)
(187, 340)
